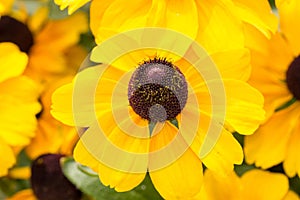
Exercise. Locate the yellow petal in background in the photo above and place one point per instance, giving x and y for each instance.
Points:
(72, 4)
(13, 61)
(26, 194)
(216, 187)
(7, 158)
(5, 6)
(267, 146)
(291, 163)
(258, 14)
(259, 184)
(289, 15)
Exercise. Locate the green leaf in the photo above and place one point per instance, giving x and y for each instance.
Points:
(88, 182)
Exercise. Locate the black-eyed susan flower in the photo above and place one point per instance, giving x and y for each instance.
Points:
(276, 74)
(45, 41)
(147, 108)
(19, 105)
(254, 184)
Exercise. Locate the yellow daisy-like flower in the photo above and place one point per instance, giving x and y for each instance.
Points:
(276, 74)
(148, 108)
(45, 41)
(19, 105)
(254, 184)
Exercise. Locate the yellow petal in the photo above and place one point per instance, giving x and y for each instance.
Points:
(274, 134)
(216, 187)
(182, 179)
(212, 16)
(61, 34)
(120, 181)
(5, 6)
(257, 14)
(13, 61)
(24, 195)
(259, 184)
(73, 103)
(226, 152)
(172, 15)
(291, 196)
(7, 158)
(289, 12)
(244, 104)
(20, 173)
(72, 4)
(233, 64)
(291, 162)
(83, 156)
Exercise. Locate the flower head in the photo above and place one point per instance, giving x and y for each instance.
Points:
(148, 108)
(276, 70)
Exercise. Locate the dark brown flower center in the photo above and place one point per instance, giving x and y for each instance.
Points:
(48, 181)
(12, 30)
(157, 90)
(293, 77)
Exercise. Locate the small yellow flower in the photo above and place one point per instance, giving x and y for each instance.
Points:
(5, 6)
(130, 107)
(254, 184)
(276, 65)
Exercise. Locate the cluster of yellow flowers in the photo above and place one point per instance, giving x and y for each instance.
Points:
(165, 92)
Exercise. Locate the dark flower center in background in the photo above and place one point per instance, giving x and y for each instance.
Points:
(157, 90)
(293, 77)
(48, 181)
(12, 30)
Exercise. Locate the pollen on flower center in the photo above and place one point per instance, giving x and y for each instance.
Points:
(293, 77)
(12, 30)
(157, 90)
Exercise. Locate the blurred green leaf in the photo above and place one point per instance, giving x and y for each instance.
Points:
(241, 169)
(88, 182)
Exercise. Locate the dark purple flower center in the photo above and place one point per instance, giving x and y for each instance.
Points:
(48, 181)
(293, 77)
(157, 90)
(12, 30)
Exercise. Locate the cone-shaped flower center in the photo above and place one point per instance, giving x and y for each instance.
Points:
(293, 77)
(157, 90)
(11, 30)
(48, 181)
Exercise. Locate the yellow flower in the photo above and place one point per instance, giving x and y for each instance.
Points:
(19, 105)
(275, 73)
(72, 4)
(148, 108)
(45, 41)
(254, 184)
